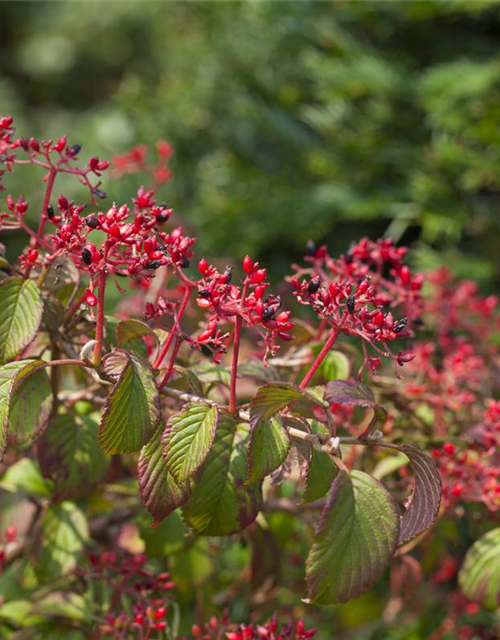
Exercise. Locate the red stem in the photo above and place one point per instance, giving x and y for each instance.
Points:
(234, 364)
(43, 217)
(99, 330)
(168, 342)
(321, 356)
(173, 357)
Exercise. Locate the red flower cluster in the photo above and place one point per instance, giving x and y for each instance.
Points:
(267, 631)
(224, 301)
(356, 293)
(135, 161)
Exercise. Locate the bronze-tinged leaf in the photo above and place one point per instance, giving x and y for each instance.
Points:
(159, 491)
(355, 393)
(355, 538)
(132, 410)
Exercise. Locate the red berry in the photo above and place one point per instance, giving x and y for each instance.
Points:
(259, 276)
(160, 613)
(202, 266)
(90, 299)
(248, 266)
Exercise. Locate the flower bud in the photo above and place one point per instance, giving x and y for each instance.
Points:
(248, 265)
(203, 266)
(258, 276)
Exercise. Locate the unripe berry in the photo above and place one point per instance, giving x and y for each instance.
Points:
(248, 264)
(203, 266)
(90, 299)
(259, 276)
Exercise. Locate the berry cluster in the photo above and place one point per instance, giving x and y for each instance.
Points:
(248, 303)
(356, 294)
(135, 161)
(269, 631)
(144, 591)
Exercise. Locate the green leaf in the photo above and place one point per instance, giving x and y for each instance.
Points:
(62, 604)
(356, 536)
(479, 576)
(274, 397)
(69, 454)
(25, 477)
(192, 566)
(255, 368)
(132, 410)
(335, 365)
(20, 315)
(212, 373)
(322, 469)
(268, 448)
(159, 491)
(31, 402)
(9, 374)
(356, 393)
(221, 503)
(62, 540)
(187, 439)
(132, 330)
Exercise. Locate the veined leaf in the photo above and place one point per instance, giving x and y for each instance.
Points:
(28, 413)
(69, 454)
(63, 536)
(221, 503)
(356, 393)
(422, 507)
(255, 368)
(159, 491)
(322, 469)
(479, 576)
(356, 536)
(25, 477)
(187, 439)
(132, 410)
(20, 315)
(275, 396)
(268, 448)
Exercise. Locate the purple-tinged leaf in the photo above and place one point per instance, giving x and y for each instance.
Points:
(422, 506)
(355, 393)
(159, 491)
(355, 538)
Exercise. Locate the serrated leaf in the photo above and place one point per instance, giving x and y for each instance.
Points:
(187, 439)
(132, 330)
(422, 507)
(20, 316)
(69, 454)
(273, 397)
(355, 538)
(356, 393)
(268, 448)
(159, 491)
(132, 410)
(212, 373)
(8, 376)
(221, 504)
(479, 577)
(31, 402)
(62, 540)
(321, 471)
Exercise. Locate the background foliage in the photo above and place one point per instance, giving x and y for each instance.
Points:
(290, 121)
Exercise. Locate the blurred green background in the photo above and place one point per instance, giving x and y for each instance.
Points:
(323, 120)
